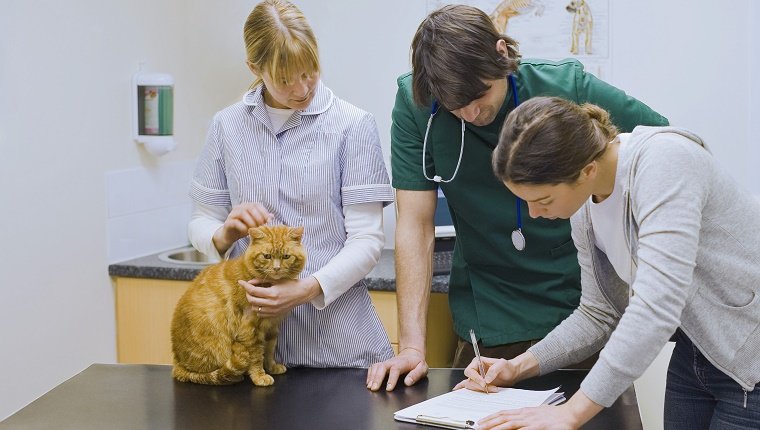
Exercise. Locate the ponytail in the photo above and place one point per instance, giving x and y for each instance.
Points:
(601, 119)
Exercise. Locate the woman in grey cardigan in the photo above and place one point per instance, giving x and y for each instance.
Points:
(669, 247)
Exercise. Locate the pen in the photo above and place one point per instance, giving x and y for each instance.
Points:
(477, 355)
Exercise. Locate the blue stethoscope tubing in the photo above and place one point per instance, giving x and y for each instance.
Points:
(518, 239)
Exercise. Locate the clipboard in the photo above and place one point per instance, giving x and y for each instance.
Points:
(462, 409)
(441, 422)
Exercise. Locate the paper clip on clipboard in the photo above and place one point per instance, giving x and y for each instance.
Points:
(444, 422)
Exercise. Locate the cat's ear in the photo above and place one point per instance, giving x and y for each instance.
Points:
(296, 233)
(255, 233)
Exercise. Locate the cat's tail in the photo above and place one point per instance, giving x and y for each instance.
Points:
(231, 372)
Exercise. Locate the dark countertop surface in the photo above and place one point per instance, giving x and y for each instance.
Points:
(381, 278)
(136, 397)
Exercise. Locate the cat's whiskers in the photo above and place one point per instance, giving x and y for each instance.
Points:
(282, 273)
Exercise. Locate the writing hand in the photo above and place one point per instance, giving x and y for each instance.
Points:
(498, 372)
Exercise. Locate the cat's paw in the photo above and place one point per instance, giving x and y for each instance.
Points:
(262, 380)
(277, 369)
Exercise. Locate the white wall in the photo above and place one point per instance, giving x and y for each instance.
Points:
(690, 60)
(752, 161)
(65, 72)
(65, 115)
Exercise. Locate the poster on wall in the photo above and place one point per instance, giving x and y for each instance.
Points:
(552, 29)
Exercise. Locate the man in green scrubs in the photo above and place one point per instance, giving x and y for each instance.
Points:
(510, 297)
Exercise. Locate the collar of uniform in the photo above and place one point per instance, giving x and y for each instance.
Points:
(322, 101)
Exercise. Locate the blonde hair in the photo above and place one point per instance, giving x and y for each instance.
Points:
(279, 41)
(549, 140)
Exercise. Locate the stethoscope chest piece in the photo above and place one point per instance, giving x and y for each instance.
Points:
(518, 240)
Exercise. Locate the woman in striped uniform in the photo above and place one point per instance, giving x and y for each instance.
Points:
(292, 153)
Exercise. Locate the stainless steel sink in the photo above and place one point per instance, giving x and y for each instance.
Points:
(187, 255)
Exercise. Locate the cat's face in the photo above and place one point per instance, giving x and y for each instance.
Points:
(276, 251)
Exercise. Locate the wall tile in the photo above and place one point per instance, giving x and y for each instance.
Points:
(137, 190)
(148, 209)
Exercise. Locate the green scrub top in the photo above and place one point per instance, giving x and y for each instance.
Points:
(503, 294)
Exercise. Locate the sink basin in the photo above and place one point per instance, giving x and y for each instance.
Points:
(187, 255)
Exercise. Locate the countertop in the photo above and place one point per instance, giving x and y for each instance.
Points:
(381, 278)
(136, 397)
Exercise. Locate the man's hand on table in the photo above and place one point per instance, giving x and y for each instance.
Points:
(409, 360)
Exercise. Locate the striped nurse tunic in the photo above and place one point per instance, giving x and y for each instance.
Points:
(322, 158)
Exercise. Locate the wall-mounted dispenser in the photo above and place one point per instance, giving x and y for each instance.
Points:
(153, 107)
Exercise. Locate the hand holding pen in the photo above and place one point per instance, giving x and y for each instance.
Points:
(498, 372)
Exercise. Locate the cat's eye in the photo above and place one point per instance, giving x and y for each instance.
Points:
(285, 257)
(268, 256)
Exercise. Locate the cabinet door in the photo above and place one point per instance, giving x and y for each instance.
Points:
(144, 309)
(385, 306)
(441, 340)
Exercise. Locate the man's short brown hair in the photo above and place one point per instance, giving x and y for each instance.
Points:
(453, 52)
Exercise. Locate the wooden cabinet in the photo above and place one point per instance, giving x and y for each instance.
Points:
(144, 310)
(441, 341)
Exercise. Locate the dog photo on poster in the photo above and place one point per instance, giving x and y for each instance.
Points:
(552, 29)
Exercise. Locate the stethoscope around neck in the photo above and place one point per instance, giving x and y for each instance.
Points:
(518, 239)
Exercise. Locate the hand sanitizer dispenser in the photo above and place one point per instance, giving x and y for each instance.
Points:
(153, 107)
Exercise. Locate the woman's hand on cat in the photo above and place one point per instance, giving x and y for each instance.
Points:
(274, 298)
(241, 218)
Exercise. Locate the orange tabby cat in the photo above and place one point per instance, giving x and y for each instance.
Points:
(216, 336)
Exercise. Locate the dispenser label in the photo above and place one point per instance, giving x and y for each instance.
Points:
(151, 110)
(155, 106)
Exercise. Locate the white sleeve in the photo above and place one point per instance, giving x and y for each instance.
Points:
(204, 222)
(360, 253)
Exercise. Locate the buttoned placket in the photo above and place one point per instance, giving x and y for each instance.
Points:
(271, 155)
(295, 120)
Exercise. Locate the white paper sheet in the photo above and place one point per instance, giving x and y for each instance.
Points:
(466, 405)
